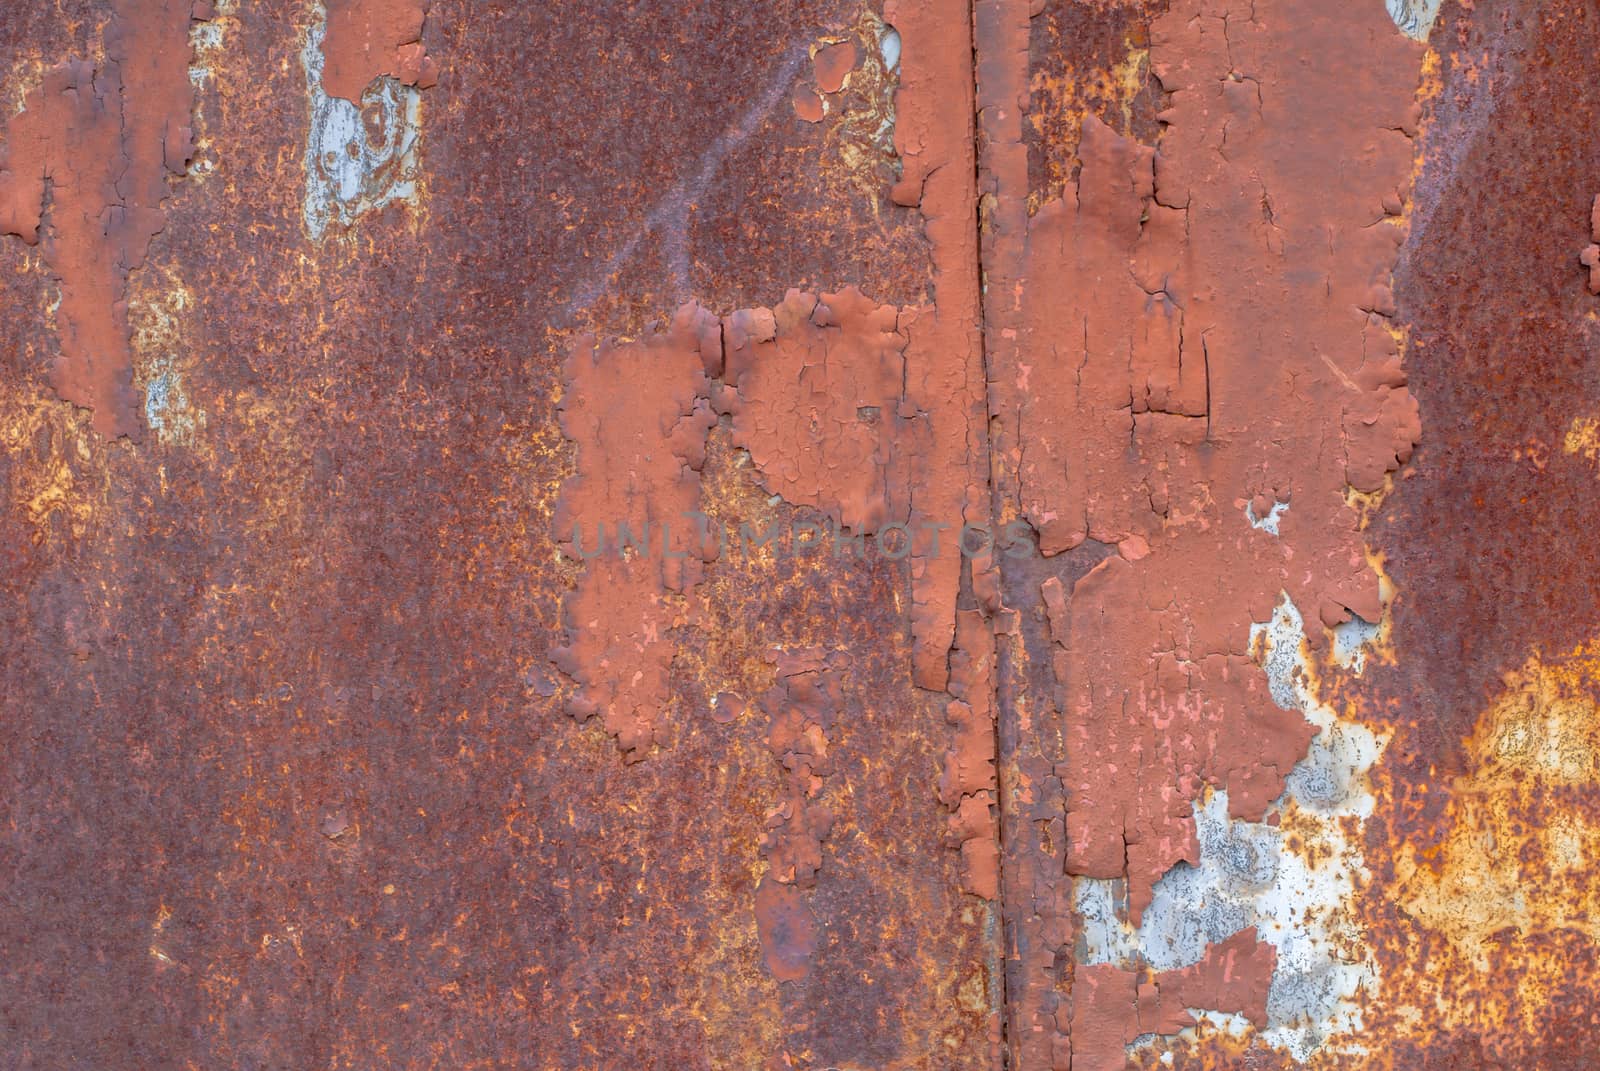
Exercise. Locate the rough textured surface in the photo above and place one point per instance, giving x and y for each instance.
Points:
(494, 360)
(289, 778)
(96, 145)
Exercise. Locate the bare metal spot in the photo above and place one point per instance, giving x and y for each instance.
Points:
(358, 159)
(1414, 17)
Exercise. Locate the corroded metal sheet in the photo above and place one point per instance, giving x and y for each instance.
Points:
(1021, 534)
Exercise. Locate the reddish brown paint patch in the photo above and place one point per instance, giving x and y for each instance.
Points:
(801, 709)
(369, 39)
(808, 107)
(1189, 337)
(967, 785)
(832, 64)
(816, 394)
(856, 409)
(934, 136)
(1111, 1007)
(99, 145)
(1221, 340)
(1037, 894)
(639, 413)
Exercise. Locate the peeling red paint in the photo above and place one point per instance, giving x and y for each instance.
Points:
(1191, 332)
(944, 354)
(639, 413)
(368, 39)
(788, 930)
(1225, 341)
(801, 708)
(807, 104)
(815, 387)
(98, 146)
(800, 714)
(967, 785)
(1111, 1007)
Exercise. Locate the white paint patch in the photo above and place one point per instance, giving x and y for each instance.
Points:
(357, 159)
(1350, 641)
(1248, 876)
(1414, 17)
(167, 409)
(889, 48)
(159, 337)
(1269, 523)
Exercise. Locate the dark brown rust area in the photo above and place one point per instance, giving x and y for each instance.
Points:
(1492, 537)
(1492, 541)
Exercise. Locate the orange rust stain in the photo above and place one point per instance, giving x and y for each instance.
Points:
(369, 39)
(1506, 895)
(1096, 62)
(97, 146)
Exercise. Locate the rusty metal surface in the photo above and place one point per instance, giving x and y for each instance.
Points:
(289, 782)
(294, 645)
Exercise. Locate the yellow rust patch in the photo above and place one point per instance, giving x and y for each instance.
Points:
(1515, 863)
(159, 306)
(1583, 439)
(1061, 101)
(860, 152)
(65, 479)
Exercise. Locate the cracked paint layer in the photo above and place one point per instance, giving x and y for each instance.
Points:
(934, 135)
(86, 169)
(1112, 1007)
(1292, 877)
(968, 784)
(1191, 334)
(815, 387)
(833, 400)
